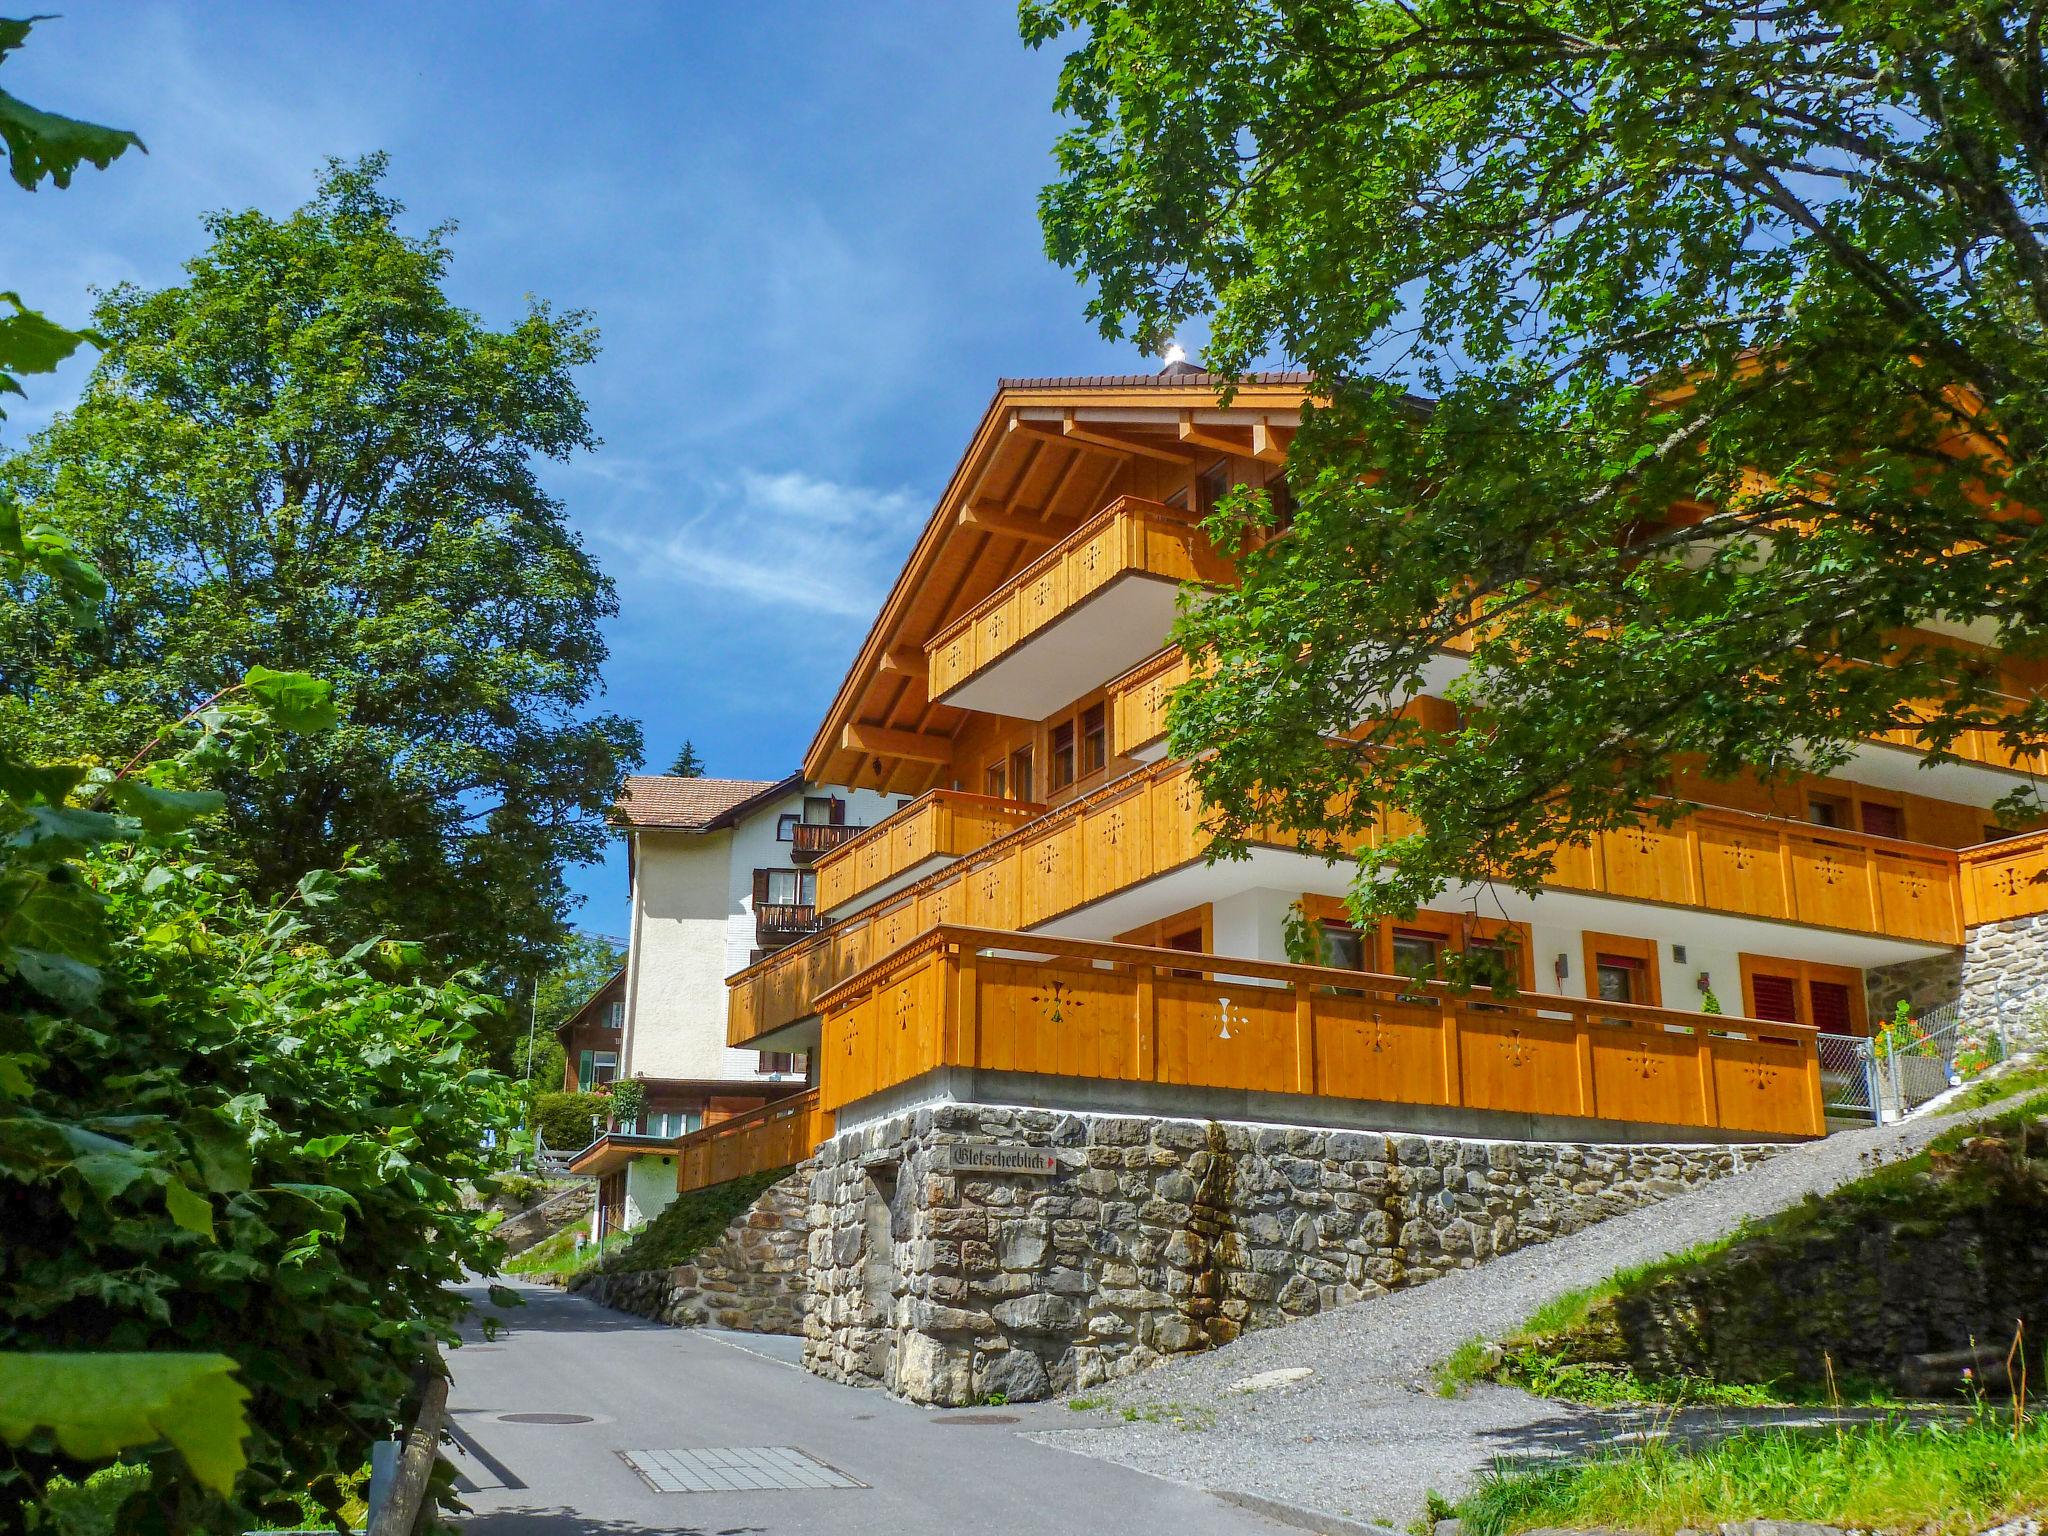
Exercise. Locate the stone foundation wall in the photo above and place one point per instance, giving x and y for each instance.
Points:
(2005, 979)
(1923, 985)
(1160, 1236)
(752, 1279)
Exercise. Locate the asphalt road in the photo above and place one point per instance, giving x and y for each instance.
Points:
(646, 1387)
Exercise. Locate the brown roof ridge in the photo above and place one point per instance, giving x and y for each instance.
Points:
(692, 805)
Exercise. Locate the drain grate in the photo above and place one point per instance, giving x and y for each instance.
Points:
(979, 1418)
(545, 1418)
(734, 1469)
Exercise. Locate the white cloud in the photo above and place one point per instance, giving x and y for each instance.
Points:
(786, 540)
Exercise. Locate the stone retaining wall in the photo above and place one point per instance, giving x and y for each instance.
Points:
(1160, 1236)
(2005, 978)
(752, 1279)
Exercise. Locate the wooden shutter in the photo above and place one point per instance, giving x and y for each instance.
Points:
(1883, 820)
(838, 812)
(1776, 998)
(1831, 1011)
(760, 889)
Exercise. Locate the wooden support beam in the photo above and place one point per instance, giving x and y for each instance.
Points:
(1076, 432)
(1050, 430)
(884, 742)
(994, 518)
(905, 661)
(1270, 444)
(1200, 436)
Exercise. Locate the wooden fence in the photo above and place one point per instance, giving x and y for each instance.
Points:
(1005, 1002)
(773, 1136)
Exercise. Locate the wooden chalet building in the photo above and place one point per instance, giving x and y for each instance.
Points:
(1036, 924)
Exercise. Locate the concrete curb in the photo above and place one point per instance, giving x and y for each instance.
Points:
(1299, 1517)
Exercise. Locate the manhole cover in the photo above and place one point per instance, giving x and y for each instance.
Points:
(545, 1418)
(734, 1469)
(979, 1418)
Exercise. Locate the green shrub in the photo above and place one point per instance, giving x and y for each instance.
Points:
(563, 1119)
(691, 1222)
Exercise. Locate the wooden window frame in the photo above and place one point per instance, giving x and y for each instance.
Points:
(1062, 756)
(1643, 950)
(1802, 972)
(1457, 930)
(1023, 786)
(1094, 738)
(995, 779)
(1154, 934)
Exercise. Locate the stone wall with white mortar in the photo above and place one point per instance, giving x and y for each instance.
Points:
(1159, 1236)
(752, 1279)
(2005, 979)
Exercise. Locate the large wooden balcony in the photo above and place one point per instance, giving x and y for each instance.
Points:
(965, 997)
(810, 841)
(1149, 822)
(2005, 879)
(773, 1136)
(945, 823)
(1099, 601)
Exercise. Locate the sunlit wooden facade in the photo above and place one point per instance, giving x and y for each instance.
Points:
(1016, 683)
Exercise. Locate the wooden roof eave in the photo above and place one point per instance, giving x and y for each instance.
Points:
(827, 758)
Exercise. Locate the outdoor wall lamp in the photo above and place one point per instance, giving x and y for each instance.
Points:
(1563, 968)
(1704, 982)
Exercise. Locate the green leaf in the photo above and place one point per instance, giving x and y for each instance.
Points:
(44, 145)
(164, 810)
(296, 701)
(98, 1405)
(192, 1212)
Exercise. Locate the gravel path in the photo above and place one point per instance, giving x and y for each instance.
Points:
(1365, 1436)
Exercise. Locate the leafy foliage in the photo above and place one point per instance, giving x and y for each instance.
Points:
(690, 1222)
(306, 457)
(229, 1155)
(564, 1120)
(1733, 323)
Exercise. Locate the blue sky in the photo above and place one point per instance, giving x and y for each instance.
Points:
(808, 233)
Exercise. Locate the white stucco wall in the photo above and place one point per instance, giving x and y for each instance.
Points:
(692, 925)
(650, 1187)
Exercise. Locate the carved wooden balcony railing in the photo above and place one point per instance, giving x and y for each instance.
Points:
(809, 840)
(942, 823)
(1150, 821)
(776, 1135)
(1128, 537)
(2005, 879)
(779, 922)
(1136, 1014)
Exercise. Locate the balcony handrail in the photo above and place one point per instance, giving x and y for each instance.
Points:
(761, 1114)
(1156, 957)
(1068, 543)
(903, 815)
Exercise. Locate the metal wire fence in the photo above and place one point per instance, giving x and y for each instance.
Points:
(1886, 1075)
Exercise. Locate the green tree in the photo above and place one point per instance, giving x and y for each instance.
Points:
(688, 765)
(305, 454)
(583, 963)
(1686, 360)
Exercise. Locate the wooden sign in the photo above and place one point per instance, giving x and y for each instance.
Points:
(1002, 1157)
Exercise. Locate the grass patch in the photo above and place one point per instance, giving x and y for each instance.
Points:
(1473, 1360)
(1179, 1415)
(1940, 1477)
(558, 1255)
(1087, 1404)
(691, 1222)
(2008, 1085)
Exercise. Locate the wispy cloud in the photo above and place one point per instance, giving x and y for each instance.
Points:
(786, 540)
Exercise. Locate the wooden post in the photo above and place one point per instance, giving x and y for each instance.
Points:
(1454, 1066)
(1145, 1030)
(1583, 1047)
(964, 1034)
(1816, 1097)
(1304, 1038)
(401, 1513)
(1710, 1095)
